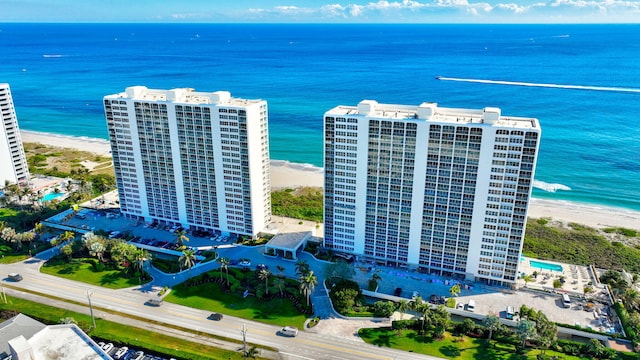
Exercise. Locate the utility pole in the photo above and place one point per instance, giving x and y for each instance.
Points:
(93, 319)
(244, 341)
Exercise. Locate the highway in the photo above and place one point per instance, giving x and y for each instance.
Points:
(307, 345)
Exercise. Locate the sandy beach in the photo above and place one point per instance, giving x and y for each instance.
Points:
(285, 174)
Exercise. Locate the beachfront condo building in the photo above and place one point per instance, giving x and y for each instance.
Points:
(194, 159)
(443, 190)
(13, 161)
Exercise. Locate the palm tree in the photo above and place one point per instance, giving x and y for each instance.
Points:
(187, 259)
(526, 329)
(279, 284)
(424, 310)
(373, 282)
(302, 267)
(308, 282)
(140, 256)
(65, 236)
(403, 307)
(455, 290)
(263, 274)
(97, 249)
(224, 265)
(39, 228)
(491, 323)
(181, 237)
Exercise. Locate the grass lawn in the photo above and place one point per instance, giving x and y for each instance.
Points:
(8, 255)
(448, 347)
(210, 296)
(118, 333)
(84, 271)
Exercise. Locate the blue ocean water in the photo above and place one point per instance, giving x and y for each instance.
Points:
(589, 151)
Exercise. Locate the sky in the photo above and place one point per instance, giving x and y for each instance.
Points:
(323, 11)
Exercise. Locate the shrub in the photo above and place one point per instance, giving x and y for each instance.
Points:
(405, 324)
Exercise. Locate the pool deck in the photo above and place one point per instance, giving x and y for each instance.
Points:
(576, 276)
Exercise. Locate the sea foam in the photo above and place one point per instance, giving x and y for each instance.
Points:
(549, 187)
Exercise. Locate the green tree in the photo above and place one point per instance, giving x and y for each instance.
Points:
(188, 259)
(308, 283)
(280, 284)
(337, 271)
(383, 308)
(491, 323)
(345, 299)
(402, 307)
(67, 250)
(526, 330)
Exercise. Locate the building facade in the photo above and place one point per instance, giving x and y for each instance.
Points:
(195, 159)
(13, 161)
(440, 189)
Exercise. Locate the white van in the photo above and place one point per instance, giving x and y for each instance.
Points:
(509, 313)
(471, 306)
(566, 301)
(289, 331)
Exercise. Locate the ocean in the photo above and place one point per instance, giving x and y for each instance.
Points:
(589, 151)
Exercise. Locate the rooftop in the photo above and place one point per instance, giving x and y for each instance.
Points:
(183, 96)
(432, 112)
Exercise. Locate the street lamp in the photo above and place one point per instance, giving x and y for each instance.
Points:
(93, 319)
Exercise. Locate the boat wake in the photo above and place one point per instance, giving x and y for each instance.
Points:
(557, 86)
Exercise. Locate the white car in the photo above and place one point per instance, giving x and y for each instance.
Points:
(121, 352)
(245, 263)
(107, 347)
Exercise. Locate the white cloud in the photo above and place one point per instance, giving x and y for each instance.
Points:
(459, 10)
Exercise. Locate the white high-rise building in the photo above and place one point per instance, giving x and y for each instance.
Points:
(13, 161)
(196, 159)
(440, 189)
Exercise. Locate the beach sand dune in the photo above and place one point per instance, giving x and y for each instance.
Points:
(289, 175)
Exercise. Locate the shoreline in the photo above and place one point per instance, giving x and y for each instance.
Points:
(285, 174)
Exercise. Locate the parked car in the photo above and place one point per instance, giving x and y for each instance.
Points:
(397, 292)
(245, 263)
(121, 352)
(290, 331)
(138, 355)
(415, 294)
(215, 316)
(107, 347)
(262, 267)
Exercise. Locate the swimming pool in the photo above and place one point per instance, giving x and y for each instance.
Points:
(51, 196)
(545, 266)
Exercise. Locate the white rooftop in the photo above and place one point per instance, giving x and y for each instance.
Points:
(60, 342)
(182, 95)
(432, 112)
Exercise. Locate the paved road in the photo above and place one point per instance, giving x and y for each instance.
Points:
(318, 344)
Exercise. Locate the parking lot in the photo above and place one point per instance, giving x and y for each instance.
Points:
(488, 299)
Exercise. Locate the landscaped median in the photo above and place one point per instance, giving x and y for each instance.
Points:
(210, 292)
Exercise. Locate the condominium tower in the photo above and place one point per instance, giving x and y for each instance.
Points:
(13, 162)
(440, 189)
(196, 159)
